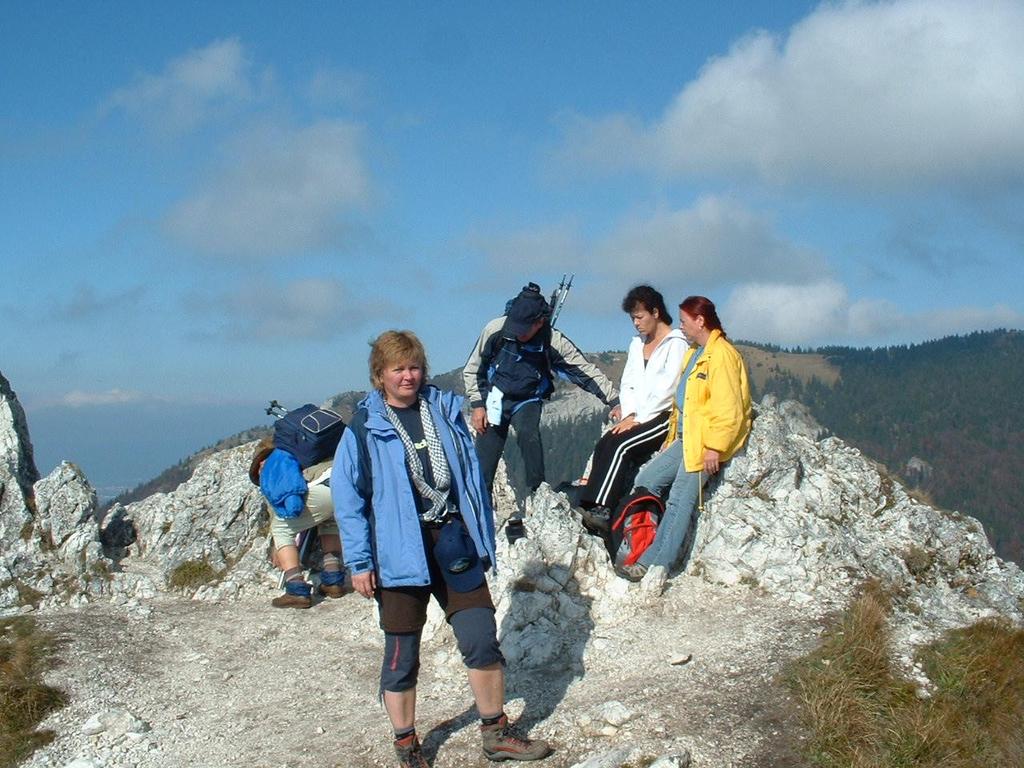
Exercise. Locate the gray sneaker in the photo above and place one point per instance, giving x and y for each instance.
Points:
(502, 742)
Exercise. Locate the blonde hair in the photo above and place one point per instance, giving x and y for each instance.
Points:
(393, 347)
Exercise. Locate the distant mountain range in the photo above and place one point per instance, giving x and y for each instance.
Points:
(943, 416)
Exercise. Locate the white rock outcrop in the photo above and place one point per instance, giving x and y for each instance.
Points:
(810, 519)
(50, 548)
(216, 518)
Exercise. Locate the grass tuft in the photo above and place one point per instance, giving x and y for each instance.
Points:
(864, 714)
(26, 652)
(193, 574)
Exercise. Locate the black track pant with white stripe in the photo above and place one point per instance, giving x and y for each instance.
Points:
(617, 459)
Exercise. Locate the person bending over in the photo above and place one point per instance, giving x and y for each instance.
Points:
(299, 501)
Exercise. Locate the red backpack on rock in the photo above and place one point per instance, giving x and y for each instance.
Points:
(635, 524)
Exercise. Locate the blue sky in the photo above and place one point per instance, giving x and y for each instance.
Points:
(207, 205)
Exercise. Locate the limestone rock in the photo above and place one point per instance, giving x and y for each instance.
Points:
(571, 404)
(614, 758)
(616, 713)
(114, 723)
(801, 515)
(216, 519)
(49, 536)
(16, 455)
(17, 475)
(809, 519)
(67, 510)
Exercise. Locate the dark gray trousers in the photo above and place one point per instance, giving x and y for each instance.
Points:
(491, 444)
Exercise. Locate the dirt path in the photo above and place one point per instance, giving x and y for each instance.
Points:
(243, 684)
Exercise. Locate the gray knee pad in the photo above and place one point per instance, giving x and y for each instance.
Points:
(477, 636)
(401, 662)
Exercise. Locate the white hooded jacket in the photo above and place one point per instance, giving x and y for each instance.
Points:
(648, 390)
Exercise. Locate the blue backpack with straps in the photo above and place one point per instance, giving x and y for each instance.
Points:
(309, 433)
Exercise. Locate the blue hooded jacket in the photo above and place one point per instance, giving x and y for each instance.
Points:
(282, 483)
(374, 499)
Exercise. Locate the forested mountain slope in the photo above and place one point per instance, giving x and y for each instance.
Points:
(945, 415)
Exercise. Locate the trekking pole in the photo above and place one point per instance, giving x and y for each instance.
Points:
(275, 409)
(700, 493)
(553, 301)
(306, 539)
(304, 545)
(558, 298)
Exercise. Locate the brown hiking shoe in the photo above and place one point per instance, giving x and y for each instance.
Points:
(502, 742)
(291, 601)
(409, 753)
(333, 590)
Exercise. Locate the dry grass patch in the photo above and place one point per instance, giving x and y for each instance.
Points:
(864, 714)
(193, 574)
(26, 652)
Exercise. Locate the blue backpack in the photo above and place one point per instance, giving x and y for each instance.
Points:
(309, 433)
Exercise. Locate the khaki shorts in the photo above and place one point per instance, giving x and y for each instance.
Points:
(318, 513)
(404, 609)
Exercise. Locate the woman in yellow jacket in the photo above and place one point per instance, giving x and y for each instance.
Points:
(711, 417)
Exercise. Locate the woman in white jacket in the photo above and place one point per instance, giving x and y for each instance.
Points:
(648, 384)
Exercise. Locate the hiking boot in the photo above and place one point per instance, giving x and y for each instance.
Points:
(515, 530)
(409, 753)
(296, 595)
(332, 584)
(633, 572)
(333, 590)
(503, 742)
(597, 520)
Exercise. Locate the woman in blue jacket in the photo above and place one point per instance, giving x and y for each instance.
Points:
(416, 521)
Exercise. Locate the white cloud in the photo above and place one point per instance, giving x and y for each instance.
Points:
(190, 89)
(300, 310)
(284, 191)
(79, 398)
(823, 313)
(961, 320)
(716, 241)
(907, 92)
(791, 314)
(513, 253)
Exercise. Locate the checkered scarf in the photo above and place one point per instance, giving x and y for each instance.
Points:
(437, 496)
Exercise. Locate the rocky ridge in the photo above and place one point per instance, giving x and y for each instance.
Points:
(795, 524)
(804, 518)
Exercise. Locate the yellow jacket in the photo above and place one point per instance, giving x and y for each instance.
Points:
(716, 408)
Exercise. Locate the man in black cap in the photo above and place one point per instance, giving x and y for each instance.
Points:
(510, 373)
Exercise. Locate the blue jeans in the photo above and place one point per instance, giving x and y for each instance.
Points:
(663, 470)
